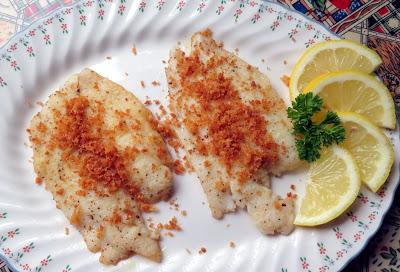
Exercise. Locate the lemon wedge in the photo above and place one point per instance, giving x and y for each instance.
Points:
(353, 91)
(331, 56)
(370, 148)
(333, 186)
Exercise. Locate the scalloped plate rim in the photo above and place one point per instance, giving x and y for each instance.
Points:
(384, 213)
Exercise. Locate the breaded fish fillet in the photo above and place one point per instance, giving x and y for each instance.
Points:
(96, 147)
(234, 128)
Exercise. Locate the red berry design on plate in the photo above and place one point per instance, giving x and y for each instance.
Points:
(357, 236)
(364, 199)
(13, 47)
(371, 217)
(44, 262)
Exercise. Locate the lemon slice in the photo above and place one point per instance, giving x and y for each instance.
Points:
(356, 92)
(328, 57)
(370, 148)
(333, 186)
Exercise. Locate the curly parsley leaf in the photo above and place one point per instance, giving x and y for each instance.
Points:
(310, 136)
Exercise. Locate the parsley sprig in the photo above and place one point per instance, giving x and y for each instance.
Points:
(310, 137)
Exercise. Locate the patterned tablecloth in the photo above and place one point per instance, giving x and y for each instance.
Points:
(375, 23)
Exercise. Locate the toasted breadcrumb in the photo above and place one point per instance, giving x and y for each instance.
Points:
(155, 83)
(293, 187)
(142, 84)
(100, 232)
(38, 180)
(169, 135)
(40, 103)
(134, 50)
(202, 250)
(221, 186)
(184, 213)
(162, 110)
(66, 231)
(81, 193)
(173, 202)
(174, 205)
(178, 167)
(172, 224)
(278, 204)
(108, 57)
(147, 102)
(232, 244)
(147, 208)
(115, 218)
(286, 80)
(188, 251)
(237, 131)
(187, 164)
(290, 195)
(75, 125)
(76, 216)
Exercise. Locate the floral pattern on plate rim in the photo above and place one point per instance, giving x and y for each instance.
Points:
(16, 256)
(81, 8)
(346, 244)
(345, 241)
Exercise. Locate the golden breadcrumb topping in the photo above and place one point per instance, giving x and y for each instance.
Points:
(237, 133)
(87, 148)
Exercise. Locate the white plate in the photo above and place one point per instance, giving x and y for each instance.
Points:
(32, 236)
